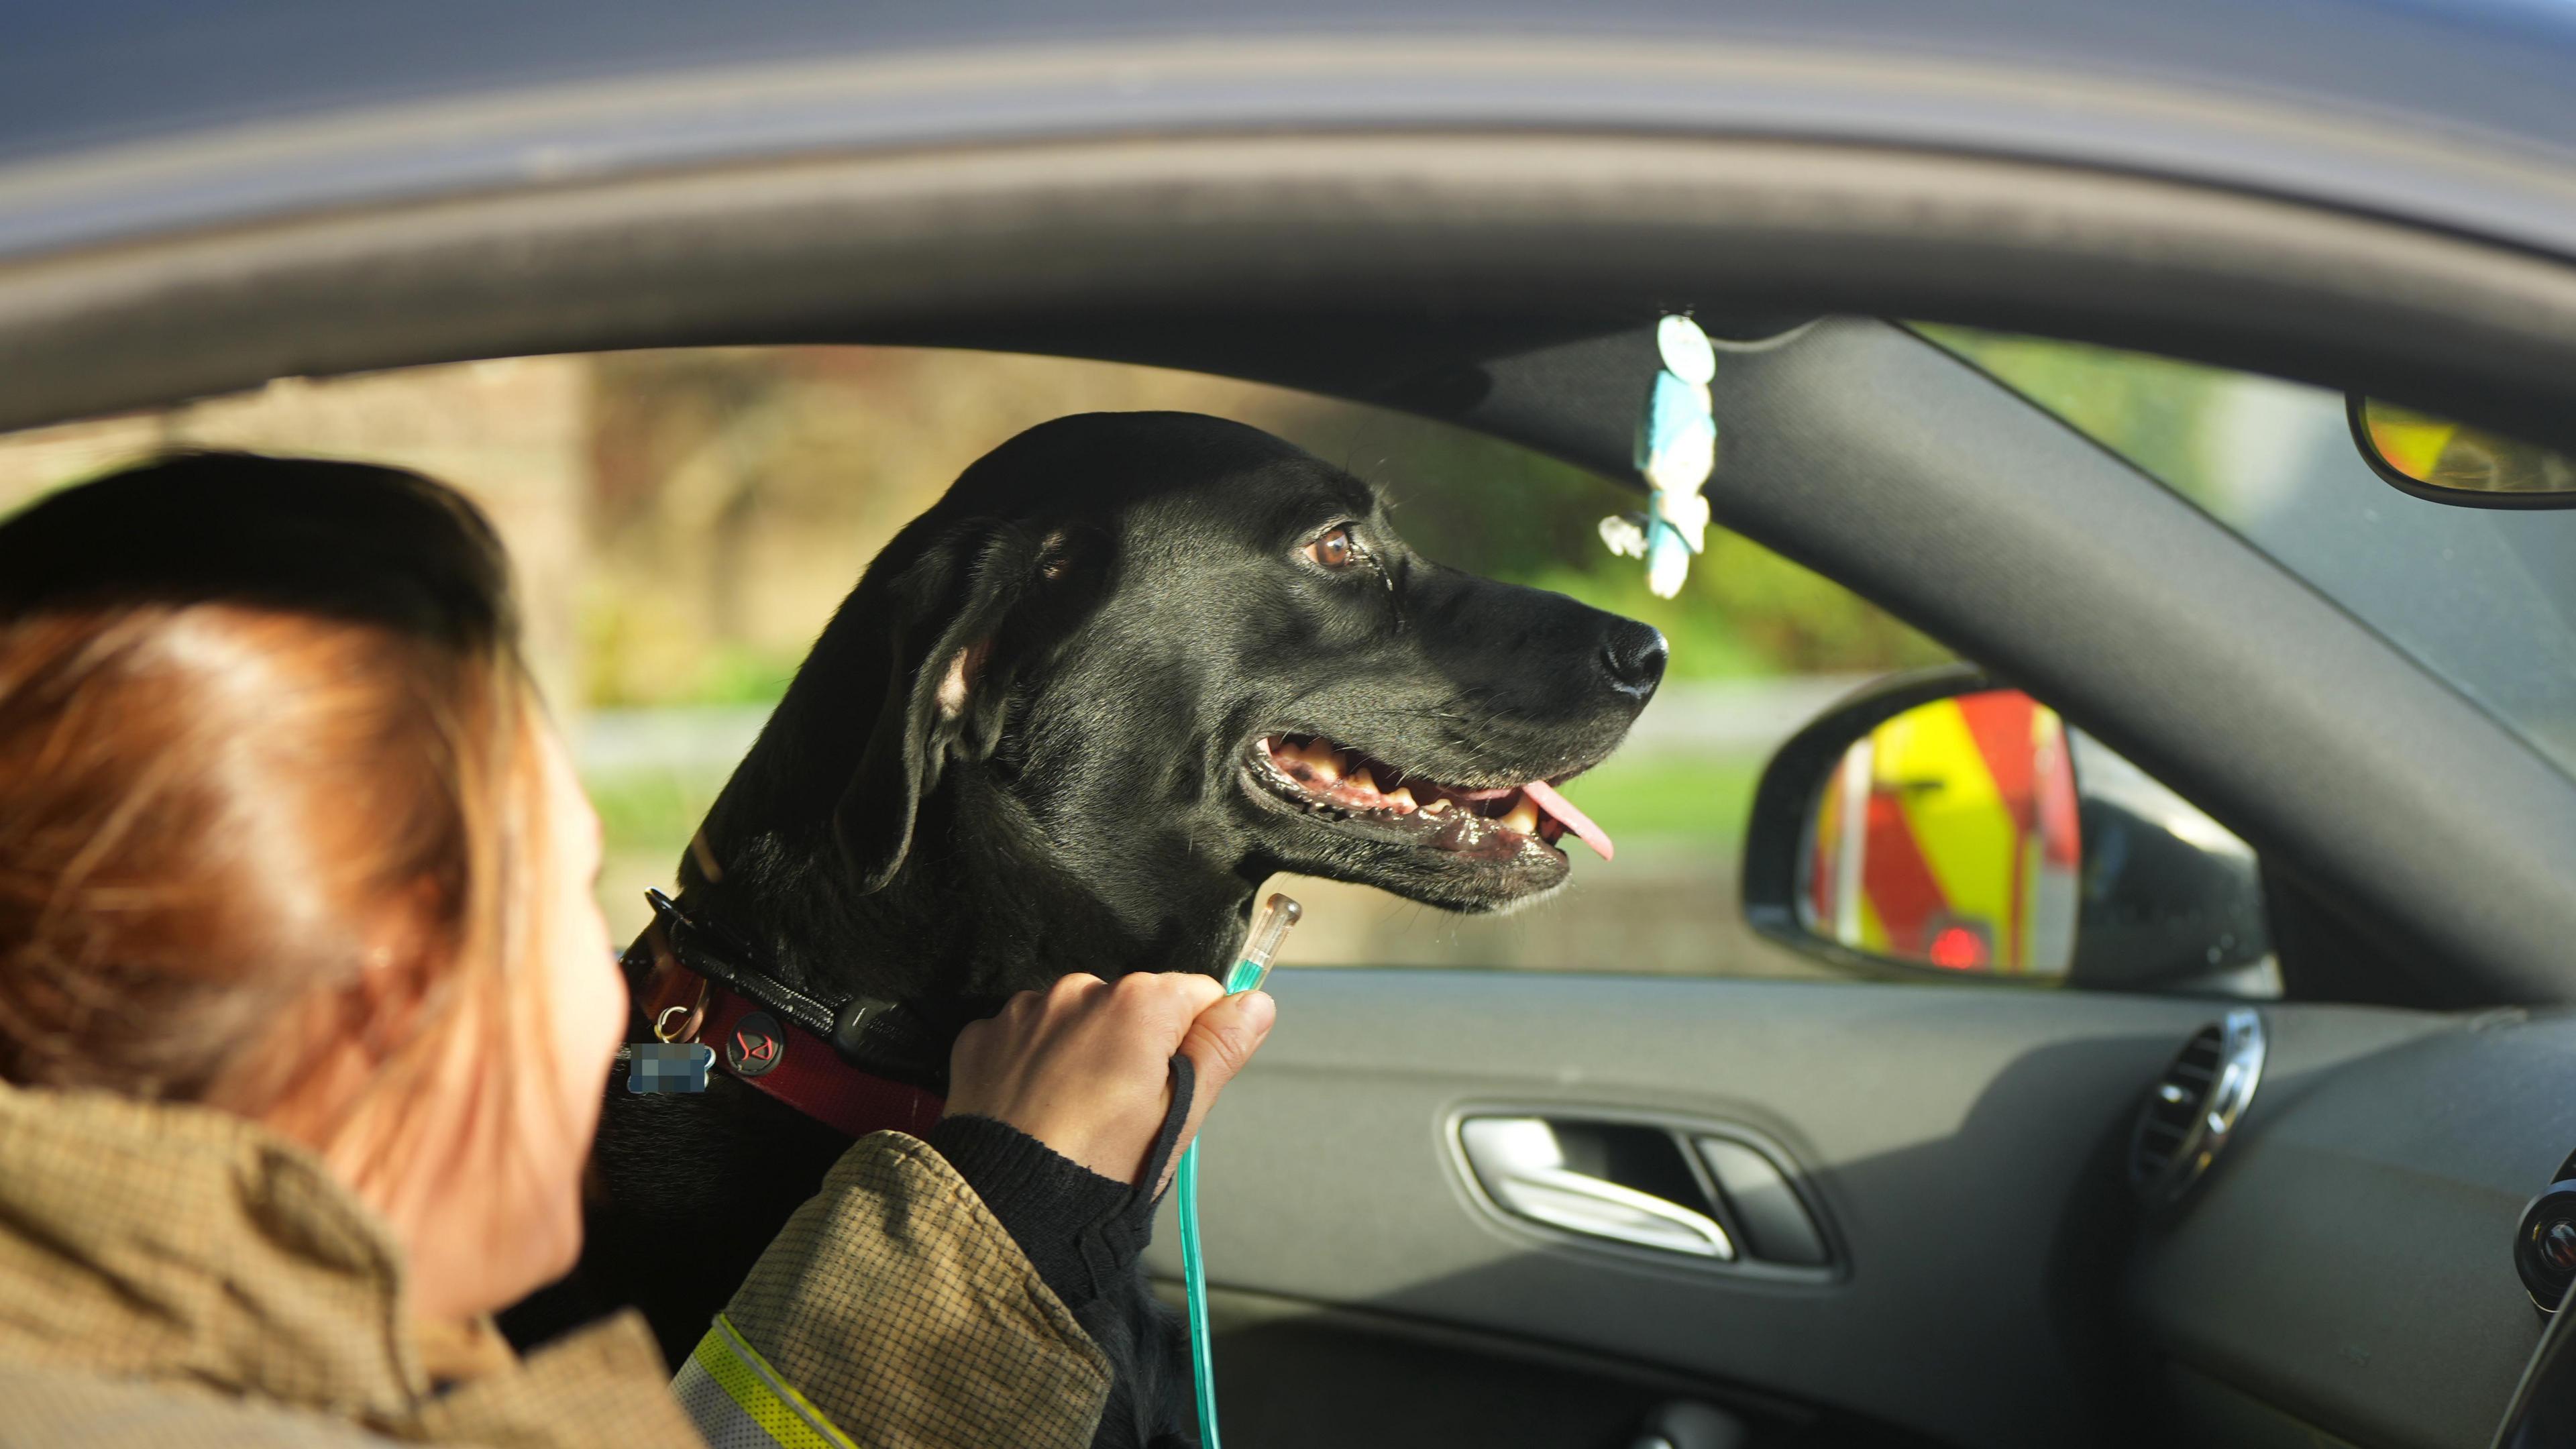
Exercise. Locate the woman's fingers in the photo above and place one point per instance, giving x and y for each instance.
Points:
(1084, 1066)
(1168, 1001)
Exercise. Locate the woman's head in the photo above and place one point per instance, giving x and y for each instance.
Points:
(283, 831)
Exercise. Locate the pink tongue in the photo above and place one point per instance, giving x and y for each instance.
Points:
(1544, 796)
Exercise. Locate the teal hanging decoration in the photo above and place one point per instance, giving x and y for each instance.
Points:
(1676, 452)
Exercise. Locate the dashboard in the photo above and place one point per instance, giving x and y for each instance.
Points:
(2544, 1406)
(2346, 1261)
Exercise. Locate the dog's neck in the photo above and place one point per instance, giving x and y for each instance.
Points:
(973, 915)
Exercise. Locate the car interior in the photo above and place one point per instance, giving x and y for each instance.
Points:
(2253, 1131)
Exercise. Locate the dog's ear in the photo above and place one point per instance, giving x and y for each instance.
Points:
(953, 652)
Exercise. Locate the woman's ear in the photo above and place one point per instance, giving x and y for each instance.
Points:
(950, 660)
(405, 952)
(322, 1052)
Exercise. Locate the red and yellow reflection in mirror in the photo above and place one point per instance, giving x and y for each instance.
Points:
(1948, 837)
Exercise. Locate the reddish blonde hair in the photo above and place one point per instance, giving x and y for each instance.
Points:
(246, 704)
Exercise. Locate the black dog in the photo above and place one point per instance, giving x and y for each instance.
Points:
(1130, 666)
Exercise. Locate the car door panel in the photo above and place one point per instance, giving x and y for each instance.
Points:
(1962, 1145)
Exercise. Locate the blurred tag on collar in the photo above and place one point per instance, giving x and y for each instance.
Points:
(654, 1066)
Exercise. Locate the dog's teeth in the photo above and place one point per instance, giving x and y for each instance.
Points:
(1434, 808)
(1361, 779)
(1400, 800)
(1325, 763)
(1523, 817)
(1295, 758)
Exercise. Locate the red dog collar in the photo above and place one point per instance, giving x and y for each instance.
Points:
(778, 1057)
(801, 1069)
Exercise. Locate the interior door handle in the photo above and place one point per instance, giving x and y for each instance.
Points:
(1580, 1203)
(1519, 1163)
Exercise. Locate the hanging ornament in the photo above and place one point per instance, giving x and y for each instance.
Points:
(1676, 451)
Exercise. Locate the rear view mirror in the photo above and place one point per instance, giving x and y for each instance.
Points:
(1940, 823)
(2449, 462)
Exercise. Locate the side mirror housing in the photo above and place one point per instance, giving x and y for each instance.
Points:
(1942, 823)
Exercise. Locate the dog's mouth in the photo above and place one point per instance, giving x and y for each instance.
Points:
(1344, 786)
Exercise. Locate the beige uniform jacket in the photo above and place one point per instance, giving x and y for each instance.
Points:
(178, 1276)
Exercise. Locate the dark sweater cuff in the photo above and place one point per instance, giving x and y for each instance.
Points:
(1048, 1202)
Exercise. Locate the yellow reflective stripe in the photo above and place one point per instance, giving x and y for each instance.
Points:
(770, 1401)
(721, 1421)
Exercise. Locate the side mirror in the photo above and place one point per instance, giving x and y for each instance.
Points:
(2448, 462)
(1941, 823)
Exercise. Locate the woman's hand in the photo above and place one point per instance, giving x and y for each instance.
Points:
(1085, 1065)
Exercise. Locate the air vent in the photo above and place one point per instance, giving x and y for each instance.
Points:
(2194, 1108)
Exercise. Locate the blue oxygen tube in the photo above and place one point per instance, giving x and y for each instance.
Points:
(1268, 929)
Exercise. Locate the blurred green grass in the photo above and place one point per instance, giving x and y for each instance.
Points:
(1699, 801)
(643, 812)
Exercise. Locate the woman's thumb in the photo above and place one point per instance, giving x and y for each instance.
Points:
(1223, 1038)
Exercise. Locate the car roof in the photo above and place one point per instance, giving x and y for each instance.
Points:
(2319, 98)
(75, 74)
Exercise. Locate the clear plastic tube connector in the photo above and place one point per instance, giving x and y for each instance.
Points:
(1269, 928)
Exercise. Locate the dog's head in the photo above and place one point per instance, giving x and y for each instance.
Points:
(1159, 656)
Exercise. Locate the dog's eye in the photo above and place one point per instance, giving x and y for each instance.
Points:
(1336, 549)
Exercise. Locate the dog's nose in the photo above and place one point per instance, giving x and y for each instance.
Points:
(1634, 654)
